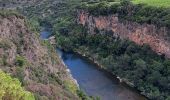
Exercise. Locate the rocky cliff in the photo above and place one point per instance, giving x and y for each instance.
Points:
(26, 57)
(155, 37)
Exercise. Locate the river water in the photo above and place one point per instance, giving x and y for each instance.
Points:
(94, 81)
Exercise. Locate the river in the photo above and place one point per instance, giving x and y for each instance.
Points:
(94, 81)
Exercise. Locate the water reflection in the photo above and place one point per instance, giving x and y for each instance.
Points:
(96, 82)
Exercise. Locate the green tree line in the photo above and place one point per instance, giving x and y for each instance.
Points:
(140, 65)
(126, 10)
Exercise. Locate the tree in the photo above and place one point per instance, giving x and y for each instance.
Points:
(20, 61)
(10, 89)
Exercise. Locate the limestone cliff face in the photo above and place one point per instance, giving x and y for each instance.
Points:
(25, 57)
(155, 37)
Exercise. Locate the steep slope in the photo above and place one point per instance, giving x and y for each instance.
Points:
(124, 39)
(141, 23)
(155, 37)
(24, 56)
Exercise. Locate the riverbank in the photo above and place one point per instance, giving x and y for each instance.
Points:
(72, 85)
(94, 81)
(69, 72)
(120, 80)
(86, 55)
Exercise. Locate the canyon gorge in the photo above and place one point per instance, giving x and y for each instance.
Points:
(156, 37)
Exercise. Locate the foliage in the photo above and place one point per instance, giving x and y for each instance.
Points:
(5, 44)
(157, 3)
(20, 61)
(34, 24)
(83, 96)
(8, 12)
(20, 74)
(75, 90)
(38, 71)
(10, 89)
(70, 86)
(139, 64)
(126, 10)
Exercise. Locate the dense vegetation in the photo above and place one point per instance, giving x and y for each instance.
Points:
(10, 89)
(157, 3)
(8, 12)
(46, 14)
(126, 10)
(38, 75)
(147, 71)
(138, 64)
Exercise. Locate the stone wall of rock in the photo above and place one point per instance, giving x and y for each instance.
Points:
(156, 37)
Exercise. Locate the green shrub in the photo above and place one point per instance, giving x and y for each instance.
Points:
(20, 61)
(8, 12)
(20, 74)
(10, 89)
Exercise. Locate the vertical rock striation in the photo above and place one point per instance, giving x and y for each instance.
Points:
(156, 37)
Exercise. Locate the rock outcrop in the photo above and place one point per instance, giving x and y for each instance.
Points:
(156, 37)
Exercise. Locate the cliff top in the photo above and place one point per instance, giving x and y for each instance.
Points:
(140, 13)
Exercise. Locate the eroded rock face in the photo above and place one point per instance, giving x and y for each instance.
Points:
(155, 37)
(42, 72)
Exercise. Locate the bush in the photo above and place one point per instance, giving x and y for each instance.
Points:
(10, 89)
(7, 13)
(20, 61)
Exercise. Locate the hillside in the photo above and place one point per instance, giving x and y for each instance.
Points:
(52, 11)
(17, 3)
(129, 39)
(26, 57)
(115, 34)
